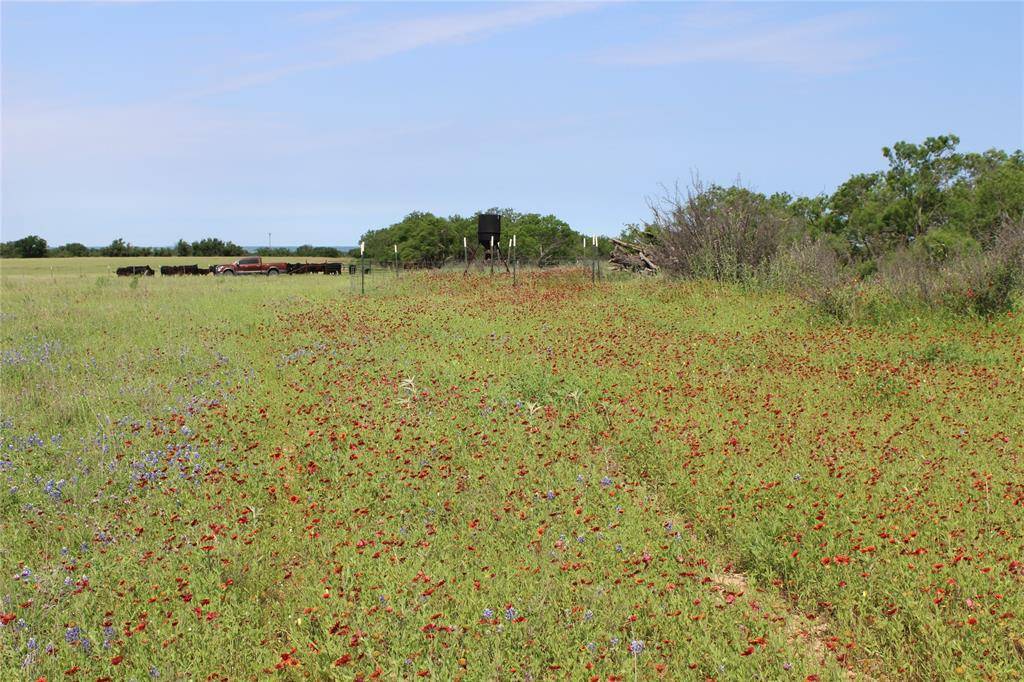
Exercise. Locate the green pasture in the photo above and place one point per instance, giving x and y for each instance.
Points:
(454, 478)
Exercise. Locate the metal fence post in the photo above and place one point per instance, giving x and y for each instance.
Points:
(515, 262)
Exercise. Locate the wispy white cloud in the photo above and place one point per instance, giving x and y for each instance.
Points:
(828, 44)
(357, 43)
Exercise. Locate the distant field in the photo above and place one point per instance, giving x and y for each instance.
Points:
(44, 267)
(458, 479)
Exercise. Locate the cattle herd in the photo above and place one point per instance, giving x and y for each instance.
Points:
(164, 270)
(292, 269)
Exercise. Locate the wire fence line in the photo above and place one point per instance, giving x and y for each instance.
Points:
(375, 275)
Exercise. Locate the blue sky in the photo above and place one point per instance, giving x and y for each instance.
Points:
(317, 121)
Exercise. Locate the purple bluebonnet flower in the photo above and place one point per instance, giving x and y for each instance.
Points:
(636, 646)
(488, 613)
(53, 489)
(550, 495)
(605, 482)
(73, 634)
(510, 613)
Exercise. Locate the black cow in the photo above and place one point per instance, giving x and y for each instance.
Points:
(305, 268)
(135, 270)
(171, 270)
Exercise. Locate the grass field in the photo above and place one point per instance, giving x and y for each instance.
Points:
(451, 478)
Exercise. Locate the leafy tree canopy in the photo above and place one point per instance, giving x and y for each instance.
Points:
(428, 239)
(31, 246)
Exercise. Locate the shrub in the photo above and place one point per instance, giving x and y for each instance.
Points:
(717, 232)
(945, 243)
(808, 269)
(909, 276)
(980, 282)
(994, 277)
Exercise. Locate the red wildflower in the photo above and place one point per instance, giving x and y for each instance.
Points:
(287, 659)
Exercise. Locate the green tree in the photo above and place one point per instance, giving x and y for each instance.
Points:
(422, 238)
(990, 189)
(211, 246)
(544, 240)
(71, 250)
(856, 212)
(31, 246)
(431, 240)
(117, 249)
(310, 251)
(918, 175)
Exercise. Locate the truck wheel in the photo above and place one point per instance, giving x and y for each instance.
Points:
(271, 271)
(228, 272)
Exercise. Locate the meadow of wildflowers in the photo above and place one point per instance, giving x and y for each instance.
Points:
(457, 479)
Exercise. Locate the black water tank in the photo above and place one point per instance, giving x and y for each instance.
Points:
(488, 225)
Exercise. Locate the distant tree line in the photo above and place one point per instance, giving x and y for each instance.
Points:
(36, 247)
(305, 251)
